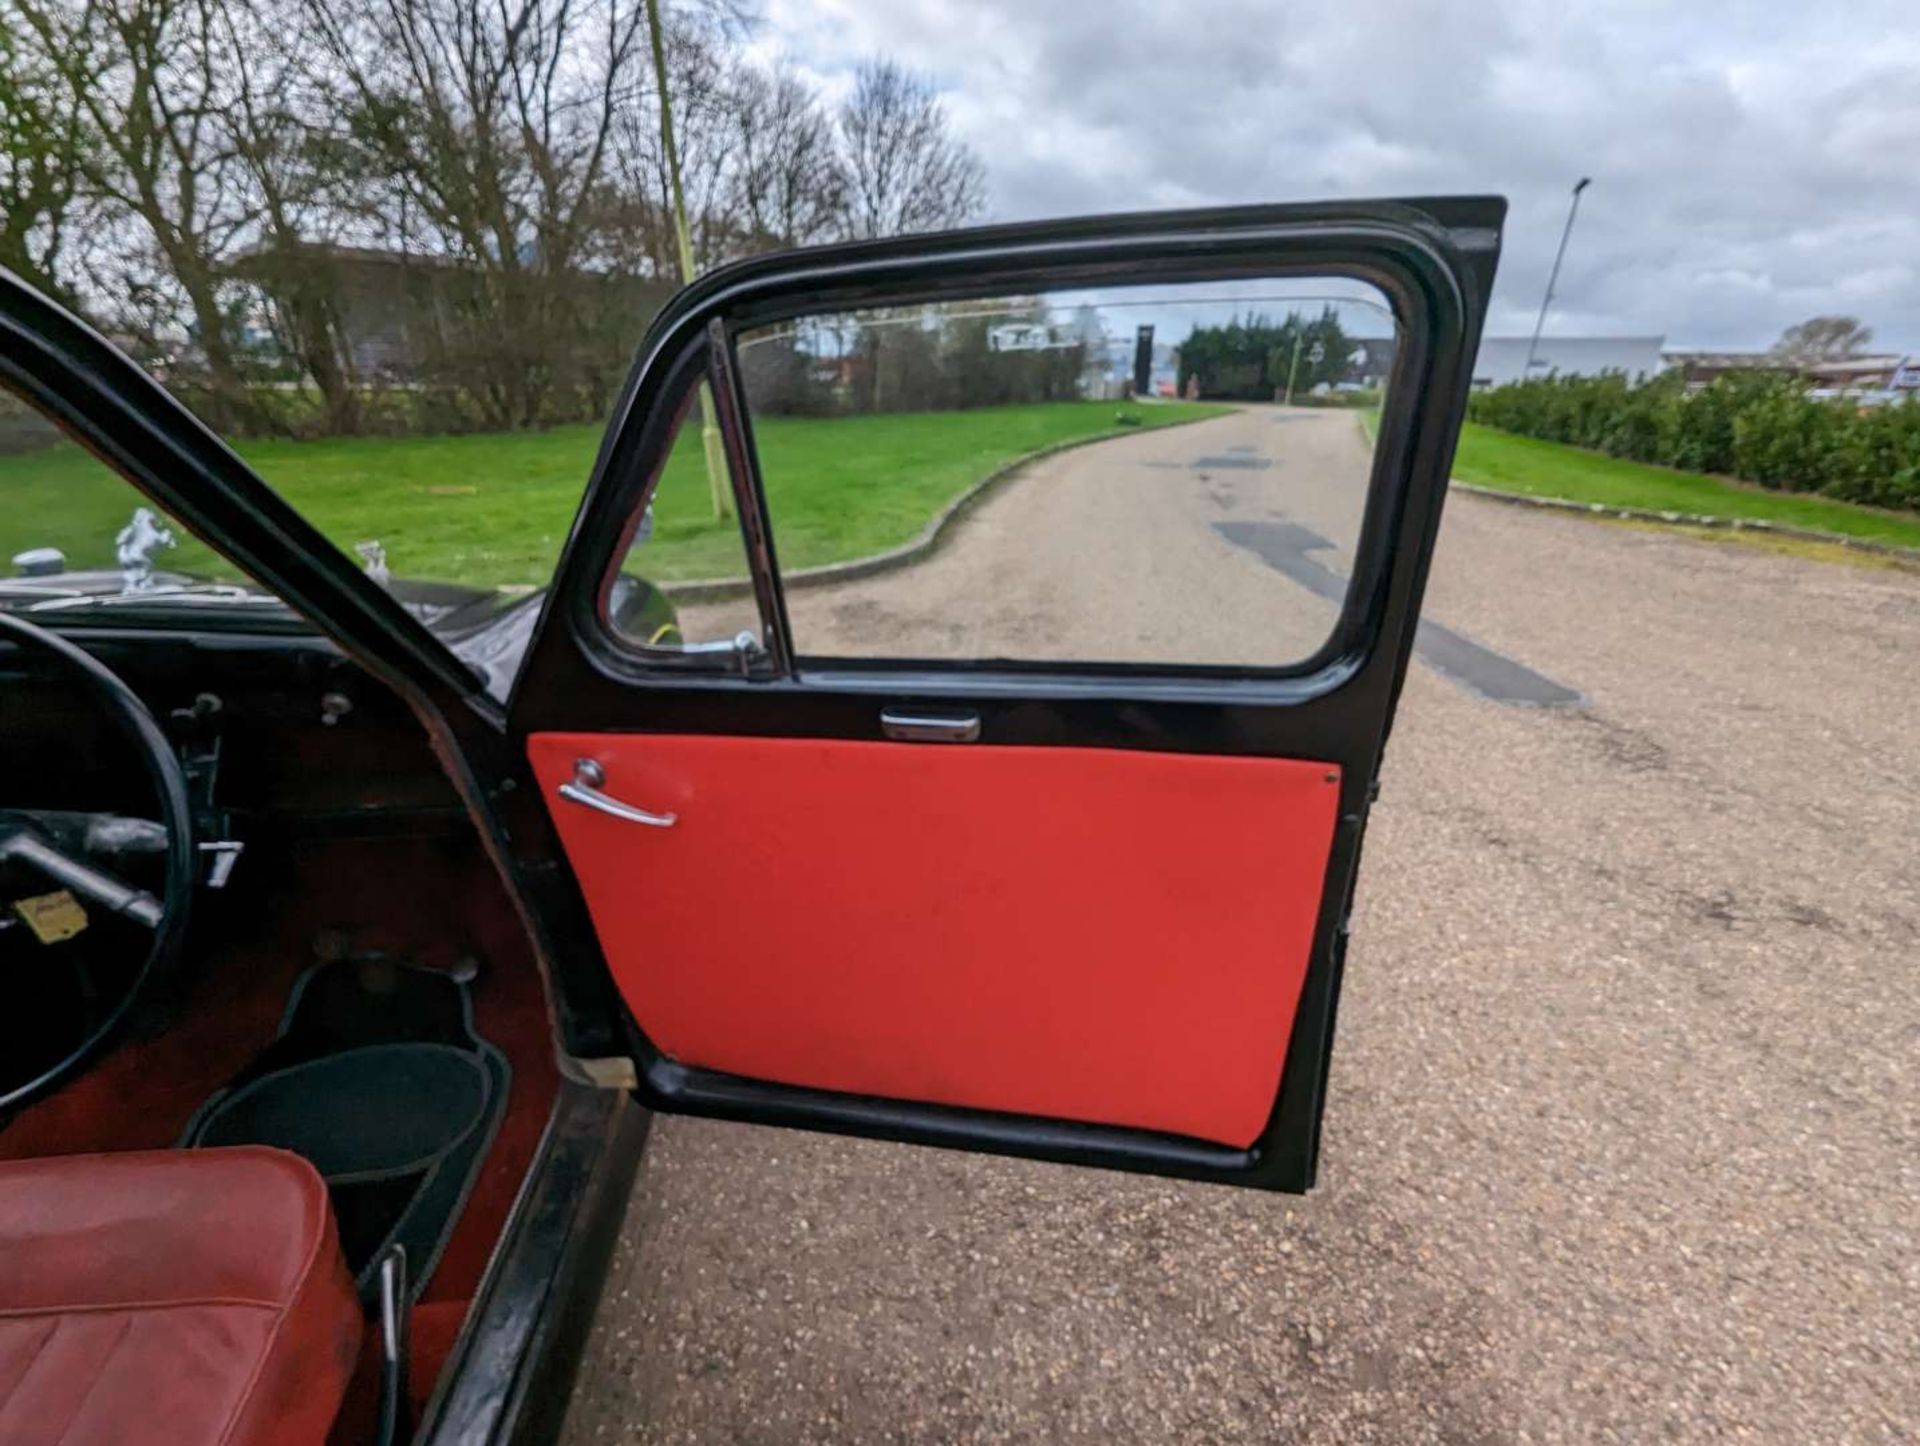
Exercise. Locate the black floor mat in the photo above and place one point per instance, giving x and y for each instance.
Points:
(378, 1078)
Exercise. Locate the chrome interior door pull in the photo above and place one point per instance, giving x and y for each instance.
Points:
(584, 788)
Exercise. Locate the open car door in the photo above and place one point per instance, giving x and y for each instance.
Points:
(1020, 809)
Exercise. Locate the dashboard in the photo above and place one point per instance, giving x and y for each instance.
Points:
(291, 732)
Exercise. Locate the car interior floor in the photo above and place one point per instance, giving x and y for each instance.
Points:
(369, 939)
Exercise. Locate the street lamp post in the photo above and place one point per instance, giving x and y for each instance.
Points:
(1316, 356)
(1554, 275)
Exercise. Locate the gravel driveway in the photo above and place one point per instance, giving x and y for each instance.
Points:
(1623, 1141)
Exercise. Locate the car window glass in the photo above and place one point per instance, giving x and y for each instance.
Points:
(432, 424)
(384, 393)
(682, 584)
(419, 423)
(76, 536)
(1163, 474)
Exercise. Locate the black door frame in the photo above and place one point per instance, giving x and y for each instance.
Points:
(1434, 260)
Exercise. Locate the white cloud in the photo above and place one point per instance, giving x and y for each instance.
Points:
(1752, 164)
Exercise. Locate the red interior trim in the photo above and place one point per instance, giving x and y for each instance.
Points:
(417, 898)
(1095, 935)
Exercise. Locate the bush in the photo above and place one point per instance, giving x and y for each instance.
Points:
(1758, 428)
(1882, 457)
(1252, 358)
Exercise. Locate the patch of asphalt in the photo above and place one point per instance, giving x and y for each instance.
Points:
(1285, 547)
(1099, 553)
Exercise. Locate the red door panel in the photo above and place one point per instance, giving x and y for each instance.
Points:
(1113, 937)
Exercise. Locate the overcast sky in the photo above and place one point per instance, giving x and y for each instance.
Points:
(1753, 164)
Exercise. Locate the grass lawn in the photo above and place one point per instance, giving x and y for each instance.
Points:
(1503, 462)
(1506, 463)
(495, 508)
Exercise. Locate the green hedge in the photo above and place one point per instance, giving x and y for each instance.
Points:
(1759, 428)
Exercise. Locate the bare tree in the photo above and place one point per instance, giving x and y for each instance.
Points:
(291, 170)
(146, 80)
(482, 131)
(1824, 338)
(492, 182)
(788, 186)
(700, 120)
(45, 144)
(905, 171)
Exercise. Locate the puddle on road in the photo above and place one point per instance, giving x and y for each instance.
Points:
(1285, 547)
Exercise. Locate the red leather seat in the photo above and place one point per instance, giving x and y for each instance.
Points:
(173, 1296)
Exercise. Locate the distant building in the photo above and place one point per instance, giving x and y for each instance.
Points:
(1885, 372)
(1503, 359)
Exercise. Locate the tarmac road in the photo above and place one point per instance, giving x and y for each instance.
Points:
(1623, 1141)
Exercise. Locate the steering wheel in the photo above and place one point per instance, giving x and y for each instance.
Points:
(166, 916)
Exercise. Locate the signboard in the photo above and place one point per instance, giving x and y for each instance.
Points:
(1026, 336)
(1142, 360)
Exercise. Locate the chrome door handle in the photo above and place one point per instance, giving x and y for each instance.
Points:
(911, 727)
(588, 779)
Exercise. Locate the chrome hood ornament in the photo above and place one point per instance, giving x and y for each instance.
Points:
(134, 547)
(373, 561)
